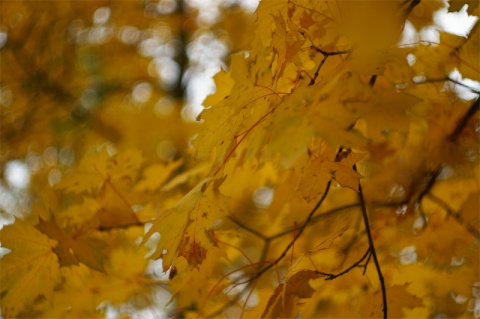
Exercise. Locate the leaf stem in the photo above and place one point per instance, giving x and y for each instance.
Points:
(300, 231)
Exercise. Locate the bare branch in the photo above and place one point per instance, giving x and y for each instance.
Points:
(355, 264)
(464, 121)
(448, 79)
(325, 53)
(372, 246)
(456, 215)
(312, 81)
(247, 228)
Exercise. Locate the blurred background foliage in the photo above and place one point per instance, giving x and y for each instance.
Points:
(117, 85)
(116, 74)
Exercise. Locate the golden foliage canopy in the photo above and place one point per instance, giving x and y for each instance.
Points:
(333, 173)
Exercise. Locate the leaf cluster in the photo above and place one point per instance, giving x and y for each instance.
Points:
(335, 174)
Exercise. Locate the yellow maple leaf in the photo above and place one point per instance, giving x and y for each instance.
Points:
(199, 235)
(224, 84)
(321, 170)
(436, 61)
(72, 249)
(422, 14)
(84, 289)
(76, 215)
(370, 304)
(30, 270)
(390, 112)
(187, 228)
(89, 174)
(154, 176)
(98, 167)
(137, 263)
(125, 165)
(469, 63)
(226, 119)
(285, 297)
(457, 5)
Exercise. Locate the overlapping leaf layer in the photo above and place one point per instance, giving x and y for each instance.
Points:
(335, 174)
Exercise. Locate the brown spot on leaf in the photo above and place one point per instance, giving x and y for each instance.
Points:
(193, 251)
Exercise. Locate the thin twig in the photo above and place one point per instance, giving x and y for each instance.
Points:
(355, 264)
(366, 264)
(468, 36)
(334, 211)
(316, 219)
(325, 57)
(431, 182)
(448, 79)
(409, 9)
(464, 121)
(315, 75)
(247, 228)
(325, 53)
(372, 246)
(456, 215)
(463, 85)
(302, 228)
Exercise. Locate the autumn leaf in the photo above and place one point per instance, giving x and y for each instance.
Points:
(224, 84)
(470, 210)
(222, 121)
(156, 175)
(334, 172)
(98, 167)
(423, 13)
(90, 173)
(457, 5)
(398, 299)
(321, 170)
(30, 270)
(469, 65)
(89, 288)
(115, 210)
(444, 60)
(288, 295)
(390, 112)
(74, 249)
(187, 229)
(285, 44)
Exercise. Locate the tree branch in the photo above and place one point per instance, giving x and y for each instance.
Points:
(247, 228)
(355, 264)
(468, 37)
(464, 121)
(448, 79)
(315, 219)
(302, 228)
(372, 246)
(457, 216)
(325, 53)
(315, 75)
(409, 9)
